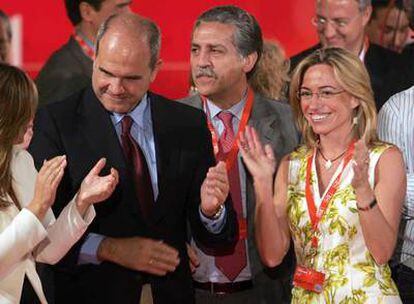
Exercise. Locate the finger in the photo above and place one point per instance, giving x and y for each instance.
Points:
(50, 165)
(269, 152)
(192, 255)
(57, 179)
(256, 142)
(98, 167)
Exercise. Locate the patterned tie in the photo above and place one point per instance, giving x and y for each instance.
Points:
(232, 264)
(136, 159)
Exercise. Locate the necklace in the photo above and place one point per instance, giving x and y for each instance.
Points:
(329, 162)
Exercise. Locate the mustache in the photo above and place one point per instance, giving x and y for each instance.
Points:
(205, 71)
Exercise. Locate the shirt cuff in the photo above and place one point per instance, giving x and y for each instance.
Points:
(213, 225)
(89, 249)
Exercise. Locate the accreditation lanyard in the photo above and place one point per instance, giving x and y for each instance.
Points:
(86, 48)
(316, 215)
(231, 156)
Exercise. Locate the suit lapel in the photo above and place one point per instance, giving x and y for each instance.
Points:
(262, 121)
(97, 127)
(167, 150)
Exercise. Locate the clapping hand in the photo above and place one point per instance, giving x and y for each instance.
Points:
(361, 165)
(260, 161)
(214, 189)
(95, 188)
(47, 181)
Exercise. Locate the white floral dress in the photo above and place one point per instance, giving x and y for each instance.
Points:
(351, 274)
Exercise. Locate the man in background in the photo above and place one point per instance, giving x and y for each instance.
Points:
(342, 23)
(69, 69)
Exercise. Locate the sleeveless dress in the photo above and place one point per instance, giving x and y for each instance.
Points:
(351, 274)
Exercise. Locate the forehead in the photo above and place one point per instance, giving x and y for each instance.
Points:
(393, 16)
(213, 33)
(337, 8)
(319, 75)
(122, 50)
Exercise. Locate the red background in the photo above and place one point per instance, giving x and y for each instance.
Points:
(46, 27)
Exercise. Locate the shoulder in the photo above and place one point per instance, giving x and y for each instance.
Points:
(193, 101)
(299, 153)
(175, 112)
(21, 161)
(402, 101)
(294, 60)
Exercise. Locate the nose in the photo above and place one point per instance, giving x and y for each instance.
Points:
(329, 30)
(116, 86)
(400, 39)
(314, 102)
(203, 58)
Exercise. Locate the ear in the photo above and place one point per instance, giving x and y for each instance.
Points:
(366, 15)
(156, 69)
(354, 102)
(249, 61)
(86, 11)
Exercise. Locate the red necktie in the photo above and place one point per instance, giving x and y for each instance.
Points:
(231, 265)
(136, 159)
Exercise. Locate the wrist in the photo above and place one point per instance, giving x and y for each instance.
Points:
(367, 207)
(215, 214)
(106, 250)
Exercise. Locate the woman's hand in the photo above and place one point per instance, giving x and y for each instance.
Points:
(47, 181)
(360, 181)
(260, 161)
(95, 188)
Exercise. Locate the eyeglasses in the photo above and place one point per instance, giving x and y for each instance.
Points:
(338, 23)
(325, 94)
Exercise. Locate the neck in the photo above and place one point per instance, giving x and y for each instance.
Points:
(226, 100)
(87, 30)
(332, 146)
(357, 49)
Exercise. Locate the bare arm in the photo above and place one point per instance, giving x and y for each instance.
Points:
(272, 230)
(380, 224)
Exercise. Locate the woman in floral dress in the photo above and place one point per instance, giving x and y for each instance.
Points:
(339, 195)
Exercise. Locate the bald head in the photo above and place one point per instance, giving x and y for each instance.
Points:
(129, 31)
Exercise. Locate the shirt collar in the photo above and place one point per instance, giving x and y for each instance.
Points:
(137, 114)
(236, 110)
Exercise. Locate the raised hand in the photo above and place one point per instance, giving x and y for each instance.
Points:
(47, 181)
(95, 188)
(260, 161)
(214, 189)
(361, 165)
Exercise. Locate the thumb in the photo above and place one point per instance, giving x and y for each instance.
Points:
(98, 167)
(269, 152)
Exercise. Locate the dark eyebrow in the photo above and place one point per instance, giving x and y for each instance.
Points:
(105, 71)
(133, 77)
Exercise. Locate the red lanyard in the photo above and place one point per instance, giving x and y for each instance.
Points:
(316, 215)
(90, 52)
(231, 156)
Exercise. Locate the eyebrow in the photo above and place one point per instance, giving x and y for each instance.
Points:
(113, 75)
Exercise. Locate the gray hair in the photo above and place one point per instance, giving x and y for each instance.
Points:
(362, 4)
(6, 23)
(143, 26)
(248, 35)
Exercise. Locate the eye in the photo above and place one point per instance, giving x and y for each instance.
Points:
(194, 50)
(326, 94)
(341, 23)
(303, 94)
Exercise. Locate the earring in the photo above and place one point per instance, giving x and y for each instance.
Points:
(355, 120)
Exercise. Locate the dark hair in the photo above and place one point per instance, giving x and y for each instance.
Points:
(143, 26)
(18, 101)
(6, 22)
(379, 4)
(73, 12)
(248, 35)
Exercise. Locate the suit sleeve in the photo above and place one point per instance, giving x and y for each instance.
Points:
(227, 235)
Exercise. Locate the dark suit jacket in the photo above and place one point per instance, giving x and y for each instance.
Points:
(66, 71)
(82, 129)
(274, 123)
(386, 69)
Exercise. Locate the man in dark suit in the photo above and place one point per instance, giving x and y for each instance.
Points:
(69, 69)
(226, 45)
(342, 23)
(162, 151)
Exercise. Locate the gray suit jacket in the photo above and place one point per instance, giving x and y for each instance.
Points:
(67, 71)
(274, 123)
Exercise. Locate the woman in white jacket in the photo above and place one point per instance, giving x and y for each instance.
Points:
(29, 231)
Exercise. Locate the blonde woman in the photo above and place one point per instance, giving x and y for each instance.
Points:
(28, 230)
(339, 195)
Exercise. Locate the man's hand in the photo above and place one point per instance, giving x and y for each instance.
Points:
(192, 255)
(141, 254)
(214, 189)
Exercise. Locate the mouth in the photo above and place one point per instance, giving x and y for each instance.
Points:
(319, 117)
